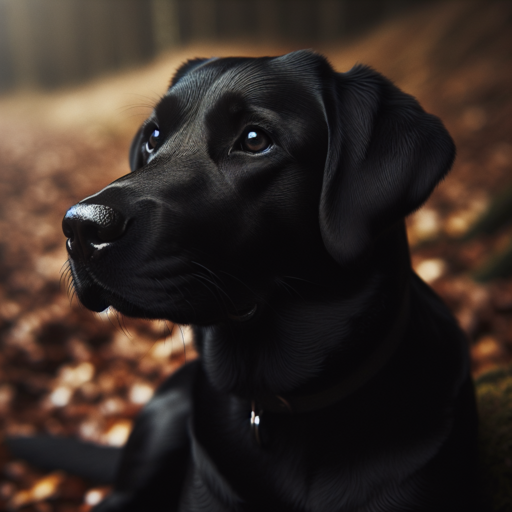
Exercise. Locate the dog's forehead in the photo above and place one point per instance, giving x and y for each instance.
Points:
(263, 81)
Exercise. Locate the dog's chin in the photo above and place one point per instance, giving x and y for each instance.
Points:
(96, 298)
(91, 296)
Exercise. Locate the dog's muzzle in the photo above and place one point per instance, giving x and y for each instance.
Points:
(89, 227)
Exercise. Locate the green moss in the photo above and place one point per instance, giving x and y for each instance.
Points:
(494, 395)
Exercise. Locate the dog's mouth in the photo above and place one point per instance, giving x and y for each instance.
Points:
(94, 295)
(243, 315)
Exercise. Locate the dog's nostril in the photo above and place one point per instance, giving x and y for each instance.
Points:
(110, 224)
(67, 229)
(88, 225)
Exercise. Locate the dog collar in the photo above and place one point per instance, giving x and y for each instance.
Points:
(349, 385)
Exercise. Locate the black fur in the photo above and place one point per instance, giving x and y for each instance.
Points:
(311, 232)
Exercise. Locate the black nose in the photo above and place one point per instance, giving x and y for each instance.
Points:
(89, 226)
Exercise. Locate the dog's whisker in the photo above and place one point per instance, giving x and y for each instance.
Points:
(152, 99)
(256, 295)
(201, 279)
(140, 101)
(211, 272)
(65, 272)
(65, 266)
(168, 336)
(183, 342)
(78, 302)
(122, 326)
(134, 116)
(290, 289)
(216, 287)
(181, 293)
(171, 331)
(69, 282)
(177, 288)
(109, 313)
(165, 327)
(133, 107)
(215, 278)
(63, 279)
(146, 353)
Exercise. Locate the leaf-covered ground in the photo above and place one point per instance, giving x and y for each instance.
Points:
(65, 370)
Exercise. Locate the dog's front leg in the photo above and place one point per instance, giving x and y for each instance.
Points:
(154, 460)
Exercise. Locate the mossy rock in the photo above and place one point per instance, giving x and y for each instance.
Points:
(494, 396)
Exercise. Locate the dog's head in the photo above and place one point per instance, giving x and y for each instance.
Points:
(249, 170)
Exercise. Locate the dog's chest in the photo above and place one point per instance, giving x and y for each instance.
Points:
(325, 464)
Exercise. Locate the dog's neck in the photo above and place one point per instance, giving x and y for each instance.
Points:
(348, 383)
(308, 342)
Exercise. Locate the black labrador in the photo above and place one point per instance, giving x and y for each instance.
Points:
(266, 209)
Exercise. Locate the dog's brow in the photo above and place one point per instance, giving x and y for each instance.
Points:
(169, 112)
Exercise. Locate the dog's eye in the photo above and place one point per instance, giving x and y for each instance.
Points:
(153, 140)
(255, 141)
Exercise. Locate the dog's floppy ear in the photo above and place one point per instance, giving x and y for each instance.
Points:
(385, 156)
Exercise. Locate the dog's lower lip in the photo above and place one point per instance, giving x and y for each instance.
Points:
(244, 315)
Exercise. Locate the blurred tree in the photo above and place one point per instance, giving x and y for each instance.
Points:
(56, 42)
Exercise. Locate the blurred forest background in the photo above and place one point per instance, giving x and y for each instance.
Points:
(76, 79)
